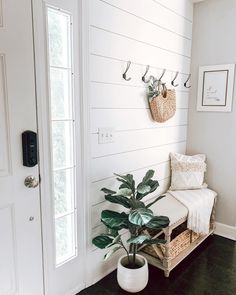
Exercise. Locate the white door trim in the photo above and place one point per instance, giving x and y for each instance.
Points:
(85, 109)
(43, 123)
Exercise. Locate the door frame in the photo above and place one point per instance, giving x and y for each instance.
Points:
(41, 81)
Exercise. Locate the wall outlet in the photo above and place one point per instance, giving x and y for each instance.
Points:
(106, 135)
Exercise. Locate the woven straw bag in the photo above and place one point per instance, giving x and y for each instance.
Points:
(163, 106)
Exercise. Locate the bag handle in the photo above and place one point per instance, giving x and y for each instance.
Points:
(164, 90)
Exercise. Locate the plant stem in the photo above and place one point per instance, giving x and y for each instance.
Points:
(127, 252)
(131, 248)
(134, 254)
(135, 247)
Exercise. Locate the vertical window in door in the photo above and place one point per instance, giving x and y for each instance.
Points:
(62, 132)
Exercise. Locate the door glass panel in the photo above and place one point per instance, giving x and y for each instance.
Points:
(59, 38)
(62, 140)
(65, 238)
(60, 94)
(63, 191)
(62, 133)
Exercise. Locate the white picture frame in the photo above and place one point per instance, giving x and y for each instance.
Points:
(215, 88)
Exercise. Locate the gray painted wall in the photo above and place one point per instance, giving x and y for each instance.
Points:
(213, 133)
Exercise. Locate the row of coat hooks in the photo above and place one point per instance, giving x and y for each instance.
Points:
(145, 80)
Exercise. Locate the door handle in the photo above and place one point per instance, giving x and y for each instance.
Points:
(31, 182)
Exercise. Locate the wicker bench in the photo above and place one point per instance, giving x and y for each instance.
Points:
(180, 240)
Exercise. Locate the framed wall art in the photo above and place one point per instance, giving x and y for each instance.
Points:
(215, 88)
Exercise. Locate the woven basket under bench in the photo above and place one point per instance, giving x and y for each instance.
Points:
(180, 243)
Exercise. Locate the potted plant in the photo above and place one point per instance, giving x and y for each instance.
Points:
(153, 88)
(132, 272)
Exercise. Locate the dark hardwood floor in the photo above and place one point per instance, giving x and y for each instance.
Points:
(210, 269)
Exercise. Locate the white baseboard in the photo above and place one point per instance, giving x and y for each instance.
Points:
(225, 231)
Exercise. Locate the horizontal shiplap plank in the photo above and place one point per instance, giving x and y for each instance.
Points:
(132, 119)
(137, 140)
(97, 209)
(175, 20)
(116, 46)
(118, 96)
(109, 71)
(162, 171)
(102, 168)
(183, 8)
(106, 17)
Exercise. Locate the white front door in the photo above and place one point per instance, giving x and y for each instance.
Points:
(21, 270)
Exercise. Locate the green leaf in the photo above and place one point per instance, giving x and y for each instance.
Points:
(157, 199)
(112, 232)
(114, 220)
(127, 180)
(139, 239)
(102, 241)
(116, 240)
(135, 204)
(150, 88)
(107, 191)
(158, 222)
(123, 192)
(153, 184)
(118, 200)
(140, 216)
(143, 188)
(148, 176)
(112, 251)
(124, 185)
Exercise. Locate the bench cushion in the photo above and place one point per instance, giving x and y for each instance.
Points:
(170, 207)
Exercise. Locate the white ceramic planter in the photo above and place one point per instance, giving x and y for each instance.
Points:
(132, 280)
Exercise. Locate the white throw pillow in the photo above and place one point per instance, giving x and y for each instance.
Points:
(187, 171)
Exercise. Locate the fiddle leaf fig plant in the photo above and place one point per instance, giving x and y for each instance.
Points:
(137, 217)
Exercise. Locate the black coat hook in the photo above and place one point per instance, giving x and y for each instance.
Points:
(144, 76)
(127, 68)
(162, 75)
(173, 81)
(185, 84)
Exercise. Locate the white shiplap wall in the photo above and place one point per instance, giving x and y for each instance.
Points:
(154, 32)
